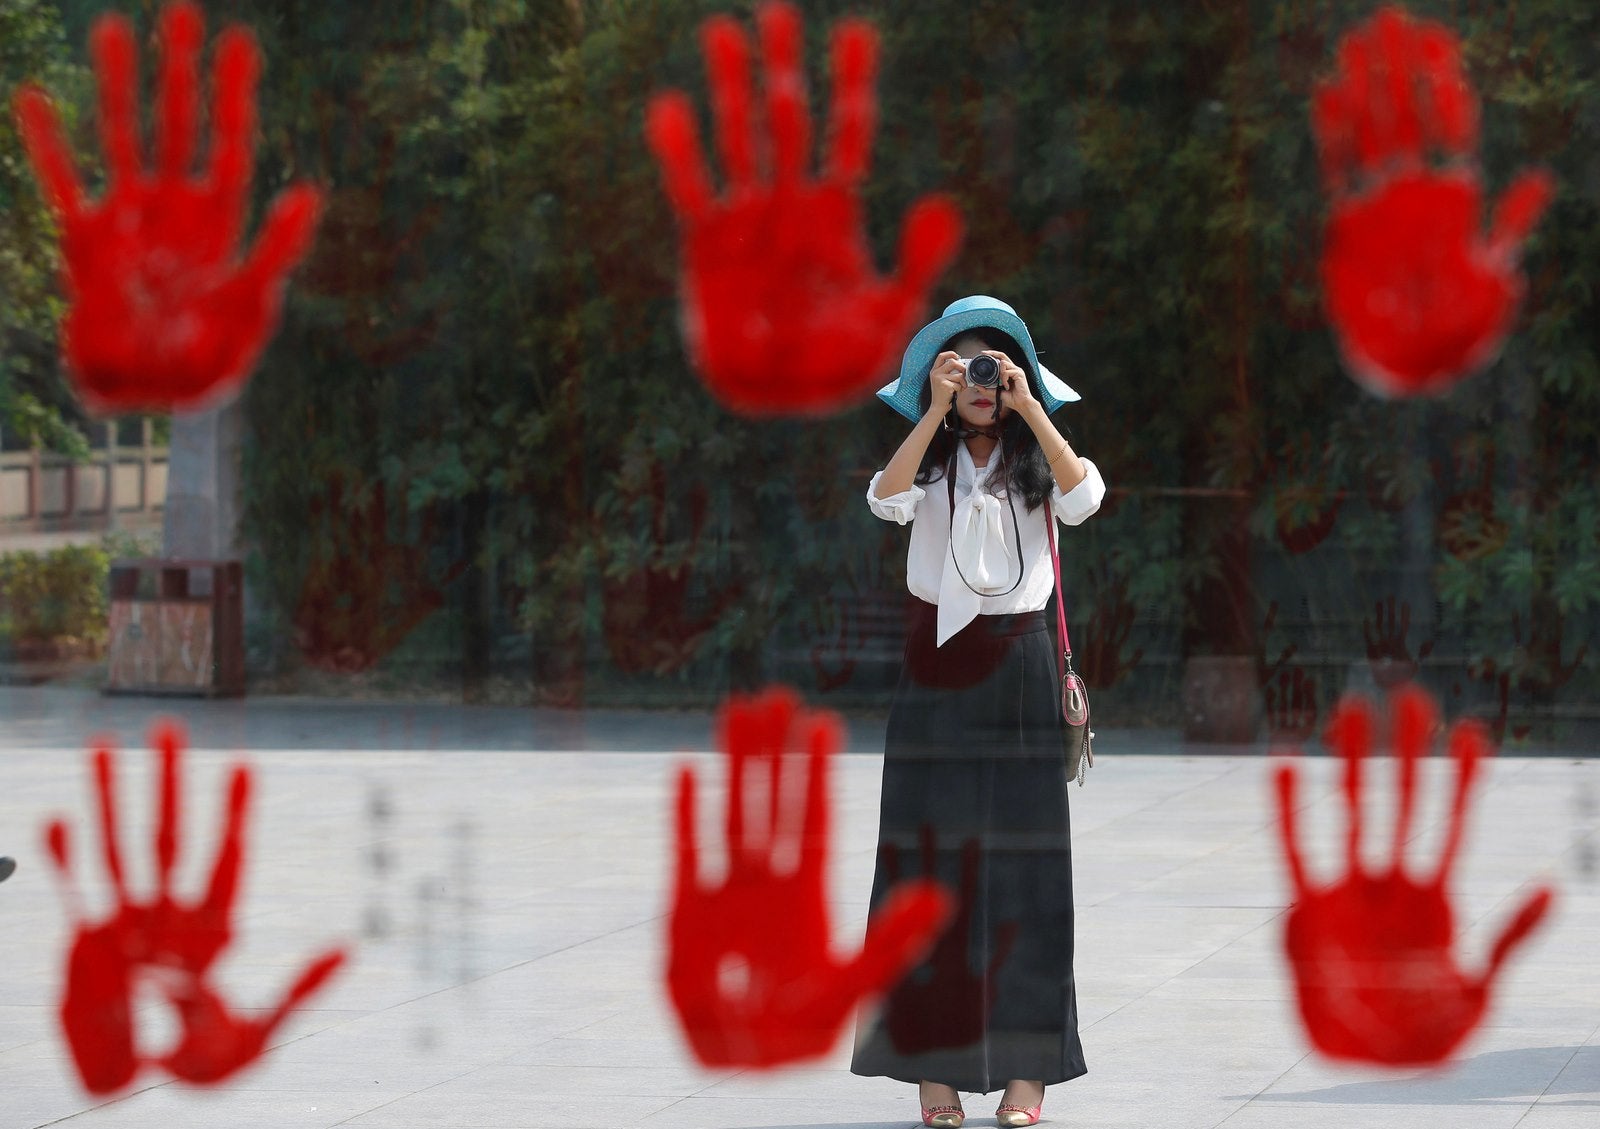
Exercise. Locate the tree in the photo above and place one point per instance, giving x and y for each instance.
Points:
(490, 330)
(36, 406)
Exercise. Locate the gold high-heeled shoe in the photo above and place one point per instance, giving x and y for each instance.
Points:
(942, 1116)
(1016, 1116)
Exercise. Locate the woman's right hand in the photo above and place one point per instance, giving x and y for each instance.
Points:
(946, 378)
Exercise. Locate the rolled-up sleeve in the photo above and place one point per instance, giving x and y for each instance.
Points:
(1075, 506)
(901, 507)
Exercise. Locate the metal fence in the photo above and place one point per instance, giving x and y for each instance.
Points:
(121, 485)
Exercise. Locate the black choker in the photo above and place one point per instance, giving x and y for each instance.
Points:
(969, 432)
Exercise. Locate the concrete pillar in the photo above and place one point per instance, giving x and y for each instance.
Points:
(203, 501)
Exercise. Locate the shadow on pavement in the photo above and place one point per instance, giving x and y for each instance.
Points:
(1509, 1077)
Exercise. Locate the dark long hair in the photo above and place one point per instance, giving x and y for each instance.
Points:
(1023, 466)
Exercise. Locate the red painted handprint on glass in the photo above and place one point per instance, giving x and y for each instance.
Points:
(1537, 668)
(365, 590)
(1388, 646)
(1292, 704)
(783, 310)
(1305, 503)
(751, 970)
(841, 640)
(1471, 523)
(166, 313)
(164, 943)
(1418, 294)
(647, 619)
(367, 259)
(1110, 627)
(1373, 954)
(946, 1002)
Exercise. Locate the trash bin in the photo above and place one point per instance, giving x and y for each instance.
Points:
(177, 627)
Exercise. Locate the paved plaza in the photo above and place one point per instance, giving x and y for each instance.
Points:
(500, 876)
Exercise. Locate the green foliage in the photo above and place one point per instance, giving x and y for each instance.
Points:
(121, 544)
(36, 425)
(488, 328)
(36, 406)
(56, 595)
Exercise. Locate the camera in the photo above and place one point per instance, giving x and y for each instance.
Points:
(983, 371)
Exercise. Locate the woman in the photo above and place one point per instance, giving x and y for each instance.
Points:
(974, 781)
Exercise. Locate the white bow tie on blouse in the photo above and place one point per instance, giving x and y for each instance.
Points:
(981, 544)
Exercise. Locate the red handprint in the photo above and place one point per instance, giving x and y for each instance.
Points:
(1539, 662)
(1110, 627)
(783, 312)
(1304, 505)
(169, 944)
(948, 1006)
(1468, 526)
(1292, 704)
(837, 651)
(165, 314)
(1418, 296)
(975, 128)
(750, 969)
(362, 594)
(1388, 652)
(373, 269)
(1536, 668)
(646, 622)
(1489, 673)
(1292, 707)
(1372, 957)
(1388, 478)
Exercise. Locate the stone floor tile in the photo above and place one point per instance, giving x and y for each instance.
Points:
(526, 993)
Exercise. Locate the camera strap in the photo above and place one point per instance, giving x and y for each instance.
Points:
(952, 423)
(1016, 528)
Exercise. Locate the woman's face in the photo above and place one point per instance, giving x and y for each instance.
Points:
(975, 405)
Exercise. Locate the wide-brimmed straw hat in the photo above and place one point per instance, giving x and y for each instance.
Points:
(972, 312)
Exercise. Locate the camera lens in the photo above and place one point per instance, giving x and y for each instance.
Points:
(984, 371)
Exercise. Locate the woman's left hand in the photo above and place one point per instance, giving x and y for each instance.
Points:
(1014, 391)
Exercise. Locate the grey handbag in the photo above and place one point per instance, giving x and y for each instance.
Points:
(1077, 738)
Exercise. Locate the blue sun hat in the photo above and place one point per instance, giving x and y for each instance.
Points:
(977, 310)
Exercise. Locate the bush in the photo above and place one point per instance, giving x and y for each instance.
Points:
(56, 595)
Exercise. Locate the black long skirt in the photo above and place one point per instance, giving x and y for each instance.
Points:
(975, 794)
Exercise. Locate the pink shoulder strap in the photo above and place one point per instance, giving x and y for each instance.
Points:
(1061, 604)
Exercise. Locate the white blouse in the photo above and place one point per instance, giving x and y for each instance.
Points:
(980, 540)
